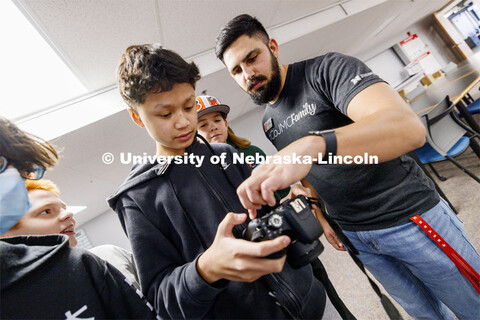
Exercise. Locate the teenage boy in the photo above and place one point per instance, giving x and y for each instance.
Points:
(49, 215)
(179, 217)
(341, 107)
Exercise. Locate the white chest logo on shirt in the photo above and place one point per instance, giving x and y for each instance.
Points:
(292, 119)
(359, 77)
(70, 316)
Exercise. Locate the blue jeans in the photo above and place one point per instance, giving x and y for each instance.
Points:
(416, 272)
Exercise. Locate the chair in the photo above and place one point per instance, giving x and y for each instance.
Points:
(445, 137)
(467, 107)
(473, 108)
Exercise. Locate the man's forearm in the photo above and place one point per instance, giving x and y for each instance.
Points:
(386, 136)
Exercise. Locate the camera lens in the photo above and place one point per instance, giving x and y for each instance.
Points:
(301, 254)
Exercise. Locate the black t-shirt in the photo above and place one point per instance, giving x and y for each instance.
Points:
(315, 96)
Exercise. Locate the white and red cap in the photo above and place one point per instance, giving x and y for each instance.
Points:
(207, 104)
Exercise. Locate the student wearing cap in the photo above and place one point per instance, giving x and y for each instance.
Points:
(213, 126)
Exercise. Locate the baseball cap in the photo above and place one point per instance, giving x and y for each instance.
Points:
(207, 104)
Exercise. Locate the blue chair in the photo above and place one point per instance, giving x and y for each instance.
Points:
(447, 137)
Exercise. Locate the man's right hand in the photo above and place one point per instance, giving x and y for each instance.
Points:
(258, 189)
(237, 259)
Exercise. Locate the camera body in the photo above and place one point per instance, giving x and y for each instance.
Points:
(293, 218)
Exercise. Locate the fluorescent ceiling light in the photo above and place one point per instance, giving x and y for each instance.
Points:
(33, 75)
(75, 114)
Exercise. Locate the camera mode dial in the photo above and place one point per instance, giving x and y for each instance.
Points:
(275, 221)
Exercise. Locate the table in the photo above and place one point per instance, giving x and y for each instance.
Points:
(418, 103)
(456, 84)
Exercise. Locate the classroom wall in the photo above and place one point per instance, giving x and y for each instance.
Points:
(427, 31)
(394, 74)
(106, 229)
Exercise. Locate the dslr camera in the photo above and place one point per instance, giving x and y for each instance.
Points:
(293, 218)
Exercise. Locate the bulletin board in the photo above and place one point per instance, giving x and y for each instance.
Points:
(414, 51)
(413, 47)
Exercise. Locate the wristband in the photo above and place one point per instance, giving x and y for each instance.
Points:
(330, 141)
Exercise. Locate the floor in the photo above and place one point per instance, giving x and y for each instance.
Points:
(352, 285)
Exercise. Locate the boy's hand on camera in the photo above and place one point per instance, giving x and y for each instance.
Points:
(237, 259)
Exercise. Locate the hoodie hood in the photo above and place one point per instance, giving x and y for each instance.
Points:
(24, 254)
(141, 173)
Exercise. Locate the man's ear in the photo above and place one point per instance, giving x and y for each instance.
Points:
(135, 117)
(226, 123)
(273, 45)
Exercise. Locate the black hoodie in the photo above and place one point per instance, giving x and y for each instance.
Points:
(171, 213)
(43, 278)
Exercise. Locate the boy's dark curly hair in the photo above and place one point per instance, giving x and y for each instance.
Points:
(149, 68)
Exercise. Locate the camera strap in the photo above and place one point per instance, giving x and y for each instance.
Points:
(466, 269)
(238, 229)
(389, 307)
(321, 274)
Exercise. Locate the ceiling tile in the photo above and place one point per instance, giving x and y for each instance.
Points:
(289, 10)
(189, 27)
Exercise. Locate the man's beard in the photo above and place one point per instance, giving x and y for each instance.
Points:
(269, 91)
